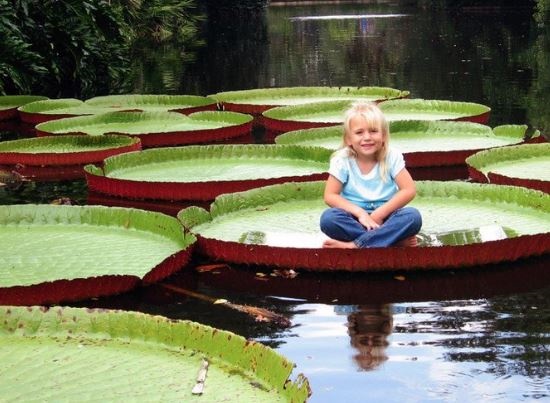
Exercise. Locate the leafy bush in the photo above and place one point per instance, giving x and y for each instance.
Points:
(75, 48)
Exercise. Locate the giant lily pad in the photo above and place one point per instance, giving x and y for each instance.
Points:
(42, 111)
(55, 253)
(10, 103)
(72, 354)
(279, 225)
(62, 157)
(175, 103)
(155, 128)
(522, 165)
(65, 150)
(204, 172)
(424, 143)
(256, 101)
(322, 114)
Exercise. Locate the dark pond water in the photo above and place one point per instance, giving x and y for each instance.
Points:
(478, 334)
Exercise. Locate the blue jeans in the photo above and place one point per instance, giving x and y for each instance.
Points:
(338, 224)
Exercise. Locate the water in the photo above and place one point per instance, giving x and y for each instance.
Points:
(477, 334)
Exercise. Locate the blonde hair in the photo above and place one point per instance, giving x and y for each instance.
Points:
(375, 118)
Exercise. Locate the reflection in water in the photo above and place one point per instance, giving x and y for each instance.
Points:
(369, 327)
(381, 288)
(45, 192)
(234, 55)
(538, 100)
(362, 17)
(499, 60)
(504, 338)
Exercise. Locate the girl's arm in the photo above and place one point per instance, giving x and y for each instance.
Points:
(332, 197)
(406, 192)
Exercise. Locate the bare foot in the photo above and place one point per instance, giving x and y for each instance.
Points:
(333, 243)
(410, 242)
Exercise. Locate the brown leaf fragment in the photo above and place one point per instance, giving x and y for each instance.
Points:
(63, 201)
(284, 273)
(209, 267)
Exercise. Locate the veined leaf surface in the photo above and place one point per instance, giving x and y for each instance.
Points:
(418, 136)
(526, 161)
(400, 109)
(45, 243)
(279, 225)
(71, 354)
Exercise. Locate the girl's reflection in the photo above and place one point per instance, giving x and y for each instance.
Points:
(368, 328)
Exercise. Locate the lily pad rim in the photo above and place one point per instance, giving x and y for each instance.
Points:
(93, 214)
(214, 151)
(241, 96)
(228, 203)
(49, 106)
(124, 140)
(400, 128)
(255, 360)
(484, 158)
(79, 123)
(287, 112)
(142, 99)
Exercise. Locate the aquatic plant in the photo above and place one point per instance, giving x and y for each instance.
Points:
(113, 355)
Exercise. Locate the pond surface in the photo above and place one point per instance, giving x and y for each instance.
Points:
(477, 334)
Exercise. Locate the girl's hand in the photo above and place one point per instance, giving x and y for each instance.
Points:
(368, 222)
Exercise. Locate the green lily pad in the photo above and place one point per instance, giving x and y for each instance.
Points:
(419, 136)
(155, 128)
(424, 143)
(65, 150)
(204, 172)
(55, 108)
(527, 161)
(153, 103)
(10, 103)
(41, 111)
(523, 165)
(287, 217)
(259, 100)
(423, 109)
(47, 243)
(72, 354)
(295, 117)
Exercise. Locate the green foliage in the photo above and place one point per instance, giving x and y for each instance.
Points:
(18, 61)
(61, 48)
(542, 13)
(162, 20)
(74, 48)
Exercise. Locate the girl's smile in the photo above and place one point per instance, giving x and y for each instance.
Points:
(365, 138)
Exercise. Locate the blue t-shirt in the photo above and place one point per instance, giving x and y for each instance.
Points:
(367, 191)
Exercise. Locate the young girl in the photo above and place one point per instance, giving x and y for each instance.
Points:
(368, 187)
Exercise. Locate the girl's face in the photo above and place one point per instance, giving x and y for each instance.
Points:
(364, 138)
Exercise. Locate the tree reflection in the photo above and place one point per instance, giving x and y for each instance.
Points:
(509, 334)
(235, 52)
(539, 95)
